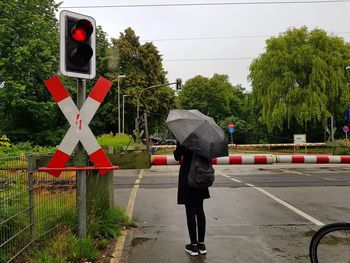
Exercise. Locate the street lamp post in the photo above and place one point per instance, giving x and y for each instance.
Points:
(124, 96)
(119, 77)
(178, 83)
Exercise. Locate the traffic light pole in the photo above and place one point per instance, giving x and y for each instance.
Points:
(137, 120)
(80, 160)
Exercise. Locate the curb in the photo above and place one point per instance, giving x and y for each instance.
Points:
(260, 159)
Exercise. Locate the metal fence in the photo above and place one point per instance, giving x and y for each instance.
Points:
(32, 203)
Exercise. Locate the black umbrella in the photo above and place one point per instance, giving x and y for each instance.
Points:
(198, 132)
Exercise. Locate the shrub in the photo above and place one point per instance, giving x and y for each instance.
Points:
(117, 141)
(4, 141)
(24, 148)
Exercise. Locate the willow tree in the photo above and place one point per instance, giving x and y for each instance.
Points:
(301, 79)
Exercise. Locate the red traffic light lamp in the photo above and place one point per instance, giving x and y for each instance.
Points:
(77, 45)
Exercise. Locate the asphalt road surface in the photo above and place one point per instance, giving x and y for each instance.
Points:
(256, 213)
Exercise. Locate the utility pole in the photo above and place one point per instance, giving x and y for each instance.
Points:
(81, 161)
(119, 77)
(125, 95)
(332, 129)
(145, 115)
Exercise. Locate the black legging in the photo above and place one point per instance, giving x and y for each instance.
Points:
(194, 210)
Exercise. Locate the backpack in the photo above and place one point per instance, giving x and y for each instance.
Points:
(201, 173)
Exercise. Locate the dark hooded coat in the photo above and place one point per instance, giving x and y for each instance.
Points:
(185, 193)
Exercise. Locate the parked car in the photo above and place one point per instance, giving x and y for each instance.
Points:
(166, 142)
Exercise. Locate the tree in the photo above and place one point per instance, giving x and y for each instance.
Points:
(301, 80)
(28, 55)
(142, 65)
(215, 97)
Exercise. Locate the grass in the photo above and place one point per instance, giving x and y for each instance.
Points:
(64, 246)
(117, 141)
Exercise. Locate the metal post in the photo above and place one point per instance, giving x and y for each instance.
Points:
(146, 132)
(118, 107)
(231, 138)
(123, 111)
(80, 161)
(123, 108)
(137, 121)
(31, 168)
(119, 77)
(332, 129)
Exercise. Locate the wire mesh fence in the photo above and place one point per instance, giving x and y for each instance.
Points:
(32, 203)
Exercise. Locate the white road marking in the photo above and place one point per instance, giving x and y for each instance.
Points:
(119, 247)
(293, 172)
(294, 209)
(227, 176)
(280, 201)
(329, 179)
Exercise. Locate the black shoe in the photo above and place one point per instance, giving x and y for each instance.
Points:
(191, 249)
(201, 248)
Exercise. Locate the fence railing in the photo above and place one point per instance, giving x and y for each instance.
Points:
(32, 203)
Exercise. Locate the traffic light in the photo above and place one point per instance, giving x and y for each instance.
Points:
(142, 124)
(178, 83)
(77, 45)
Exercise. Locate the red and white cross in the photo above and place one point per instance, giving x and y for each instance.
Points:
(79, 121)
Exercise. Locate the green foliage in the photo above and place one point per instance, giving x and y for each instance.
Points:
(109, 223)
(102, 244)
(4, 141)
(241, 129)
(301, 80)
(340, 147)
(11, 210)
(117, 141)
(213, 97)
(82, 249)
(142, 65)
(64, 246)
(44, 256)
(24, 148)
(26, 108)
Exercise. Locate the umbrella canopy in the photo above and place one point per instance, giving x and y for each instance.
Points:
(198, 133)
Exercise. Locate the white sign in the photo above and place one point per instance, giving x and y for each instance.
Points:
(299, 138)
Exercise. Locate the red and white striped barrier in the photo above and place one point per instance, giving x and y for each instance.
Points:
(312, 159)
(234, 159)
(79, 121)
(259, 159)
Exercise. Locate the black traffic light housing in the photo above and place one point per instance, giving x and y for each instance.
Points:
(77, 45)
(178, 83)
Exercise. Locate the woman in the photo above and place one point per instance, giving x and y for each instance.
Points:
(192, 198)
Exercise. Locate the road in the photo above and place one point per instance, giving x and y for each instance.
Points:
(256, 213)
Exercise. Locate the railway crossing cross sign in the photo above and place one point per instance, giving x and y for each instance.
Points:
(79, 129)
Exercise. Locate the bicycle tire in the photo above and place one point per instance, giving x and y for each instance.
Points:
(320, 234)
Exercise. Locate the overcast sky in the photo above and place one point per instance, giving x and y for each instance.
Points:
(208, 39)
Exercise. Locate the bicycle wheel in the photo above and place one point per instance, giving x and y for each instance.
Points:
(331, 243)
